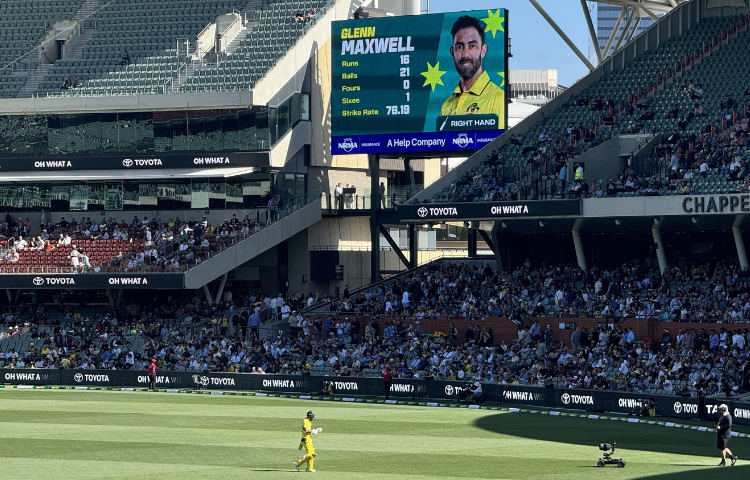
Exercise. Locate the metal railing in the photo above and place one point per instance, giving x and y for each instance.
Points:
(331, 203)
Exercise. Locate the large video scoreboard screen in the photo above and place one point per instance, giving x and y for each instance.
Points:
(425, 83)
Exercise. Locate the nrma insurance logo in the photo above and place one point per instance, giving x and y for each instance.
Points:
(463, 141)
(348, 144)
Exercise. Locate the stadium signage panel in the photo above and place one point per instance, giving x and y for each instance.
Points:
(283, 384)
(488, 210)
(128, 161)
(575, 399)
(742, 413)
(716, 204)
(92, 280)
(20, 376)
(414, 84)
(165, 380)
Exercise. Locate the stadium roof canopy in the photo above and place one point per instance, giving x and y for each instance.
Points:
(626, 23)
(654, 6)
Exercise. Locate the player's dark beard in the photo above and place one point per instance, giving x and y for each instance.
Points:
(468, 72)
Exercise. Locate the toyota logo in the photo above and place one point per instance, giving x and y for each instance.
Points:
(127, 162)
(677, 407)
(565, 398)
(38, 281)
(200, 380)
(449, 390)
(78, 377)
(422, 212)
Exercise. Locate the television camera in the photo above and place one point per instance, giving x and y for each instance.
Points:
(609, 450)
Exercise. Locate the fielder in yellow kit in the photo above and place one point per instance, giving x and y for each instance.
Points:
(306, 443)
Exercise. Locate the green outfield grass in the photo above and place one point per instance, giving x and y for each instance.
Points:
(110, 434)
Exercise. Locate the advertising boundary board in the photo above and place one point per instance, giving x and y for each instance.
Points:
(625, 403)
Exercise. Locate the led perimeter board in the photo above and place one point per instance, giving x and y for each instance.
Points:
(419, 84)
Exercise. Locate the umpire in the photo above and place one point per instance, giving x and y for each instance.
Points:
(723, 432)
(152, 375)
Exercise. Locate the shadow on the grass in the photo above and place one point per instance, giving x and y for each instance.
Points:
(738, 471)
(629, 436)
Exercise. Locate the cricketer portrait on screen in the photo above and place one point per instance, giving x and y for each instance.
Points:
(475, 93)
(419, 83)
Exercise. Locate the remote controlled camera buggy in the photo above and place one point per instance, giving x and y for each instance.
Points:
(609, 450)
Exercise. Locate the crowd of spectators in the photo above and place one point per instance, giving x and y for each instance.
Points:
(687, 292)
(191, 335)
(151, 244)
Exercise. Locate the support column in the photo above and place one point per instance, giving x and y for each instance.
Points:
(208, 295)
(413, 248)
(629, 23)
(472, 239)
(739, 242)
(118, 302)
(578, 243)
(221, 288)
(410, 172)
(498, 250)
(374, 161)
(661, 255)
(10, 298)
(615, 32)
(110, 298)
(592, 32)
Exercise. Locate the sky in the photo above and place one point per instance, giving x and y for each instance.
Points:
(534, 44)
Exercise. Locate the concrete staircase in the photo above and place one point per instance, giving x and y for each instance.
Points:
(235, 43)
(190, 70)
(32, 84)
(76, 53)
(87, 8)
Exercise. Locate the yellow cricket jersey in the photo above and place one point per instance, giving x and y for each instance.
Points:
(484, 97)
(306, 425)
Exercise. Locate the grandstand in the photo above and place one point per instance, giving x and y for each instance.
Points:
(168, 58)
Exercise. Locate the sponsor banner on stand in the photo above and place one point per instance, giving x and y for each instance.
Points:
(93, 280)
(128, 161)
(488, 210)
